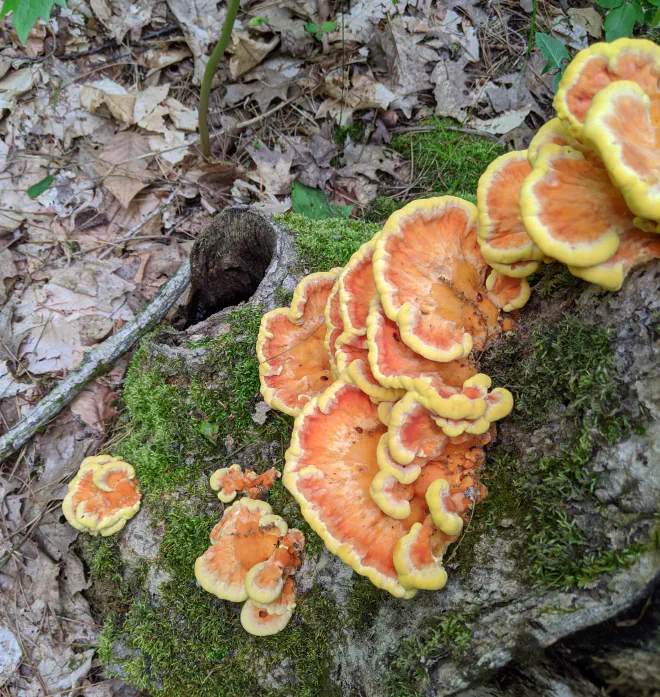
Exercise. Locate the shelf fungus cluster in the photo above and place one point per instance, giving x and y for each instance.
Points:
(587, 191)
(102, 496)
(253, 555)
(375, 360)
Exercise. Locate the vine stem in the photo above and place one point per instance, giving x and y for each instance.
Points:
(209, 72)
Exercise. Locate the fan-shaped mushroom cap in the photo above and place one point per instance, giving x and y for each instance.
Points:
(294, 364)
(571, 209)
(418, 558)
(329, 468)
(620, 127)
(267, 619)
(334, 327)
(502, 235)
(596, 67)
(406, 474)
(553, 133)
(637, 247)
(352, 358)
(519, 269)
(396, 365)
(102, 496)
(507, 293)
(390, 495)
(356, 287)
(247, 535)
(499, 404)
(442, 508)
(230, 480)
(430, 276)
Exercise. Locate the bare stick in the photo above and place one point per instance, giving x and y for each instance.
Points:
(95, 363)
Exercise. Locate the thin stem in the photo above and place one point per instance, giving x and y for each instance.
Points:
(211, 67)
(532, 29)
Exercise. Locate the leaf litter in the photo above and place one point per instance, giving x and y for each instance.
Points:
(104, 191)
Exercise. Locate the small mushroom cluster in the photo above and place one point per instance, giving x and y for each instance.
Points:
(102, 496)
(253, 554)
(377, 360)
(587, 191)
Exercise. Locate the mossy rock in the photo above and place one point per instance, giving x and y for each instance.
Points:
(566, 539)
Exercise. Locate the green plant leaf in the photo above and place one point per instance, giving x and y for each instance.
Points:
(619, 22)
(311, 27)
(552, 50)
(639, 11)
(652, 3)
(555, 82)
(27, 12)
(652, 17)
(39, 188)
(327, 26)
(209, 430)
(609, 4)
(314, 203)
(257, 21)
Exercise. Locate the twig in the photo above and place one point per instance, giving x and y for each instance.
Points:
(133, 231)
(95, 363)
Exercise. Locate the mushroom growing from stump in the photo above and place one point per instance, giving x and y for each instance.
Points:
(103, 496)
(228, 481)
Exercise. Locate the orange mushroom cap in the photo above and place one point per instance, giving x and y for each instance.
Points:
(519, 269)
(406, 474)
(294, 364)
(334, 327)
(430, 276)
(418, 557)
(228, 481)
(268, 619)
(329, 468)
(620, 126)
(636, 248)
(554, 132)
(247, 535)
(594, 68)
(507, 293)
(499, 404)
(102, 496)
(571, 209)
(502, 235)
(356, 287)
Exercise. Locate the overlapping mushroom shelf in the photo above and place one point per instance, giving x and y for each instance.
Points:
(377, 360)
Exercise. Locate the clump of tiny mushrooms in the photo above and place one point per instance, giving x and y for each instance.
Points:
(377, 360)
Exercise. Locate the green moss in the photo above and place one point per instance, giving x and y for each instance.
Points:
(324, 244)
(568, 369)
(363, 604)
(408, 673)
(354, 131)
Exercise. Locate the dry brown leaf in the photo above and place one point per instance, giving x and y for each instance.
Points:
(369, 160)
(123, 166)
(589, 18)
(94, 405)
(121, 16)
(111, 95)
(184, 119)
(273, 168)
(157, 59)
(312, 158)
(8, 271)
(248, 52)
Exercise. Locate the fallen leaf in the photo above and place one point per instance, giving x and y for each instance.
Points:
(121, 16)
(8, 270)
(273, 168)
(157, 59)
(311, 159)
(248, 52)
(501, 124)
(453, 95)
(14, 84)
(184, 119)
(107, 93)
(94, 405)
(123, 166)
(589, 19)
(369, 160)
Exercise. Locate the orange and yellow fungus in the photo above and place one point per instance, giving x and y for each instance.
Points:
(553, 133)
(356, 288)
(405, 474)
(594, 68)
(265, 619)
(396, 365)
(228, 481)
(418, 557)
(390, 495)
(636, 247)
(499, 403)
(502, 235)
(247, 534)
(519, 269)
(329, 468)
(103, 495)
(443, 509)
(430, 276)
(334, 327)
(571, 209)
(507, 293)
(294, 363)
(620, 127)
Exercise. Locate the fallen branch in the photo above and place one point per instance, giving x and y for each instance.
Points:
(95, 363)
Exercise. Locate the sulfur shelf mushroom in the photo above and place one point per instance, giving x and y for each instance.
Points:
(594, 68)
(392, 497)
(396, 365)
(519, 269)
(262, 619)
(502, 235)
(553, 133)
(620, 126)
(102, 496)
(329, 468)
(499, 403)
(405, 474)
(334, 328)
(507, 293)
(430, 276)
(418, 557)
(443, 510)
(228, 481)
(571, 209)
(356, 288)
(294, 364)
(636, 247)
(247, 535)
